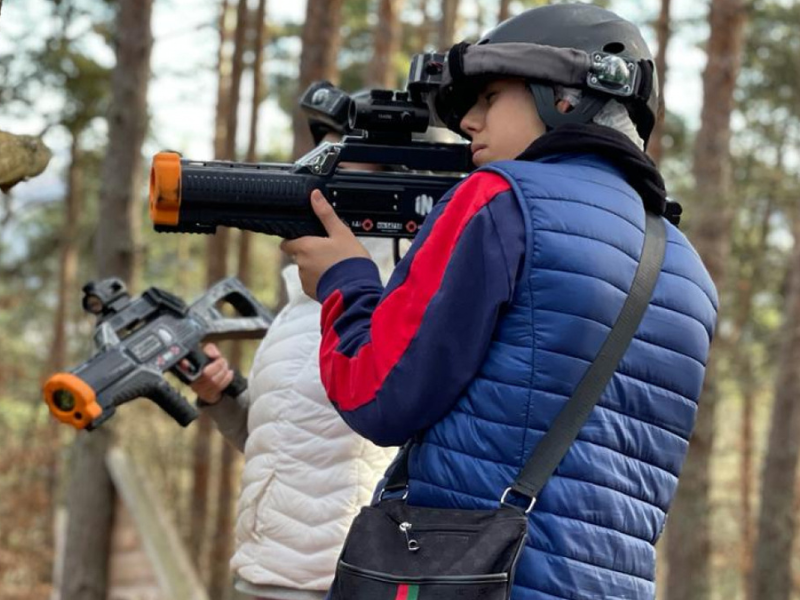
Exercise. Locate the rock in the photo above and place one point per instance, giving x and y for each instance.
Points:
(21, 157)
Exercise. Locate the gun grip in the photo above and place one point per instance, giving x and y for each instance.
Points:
(173, 403)
(149, 384)
(237, 386)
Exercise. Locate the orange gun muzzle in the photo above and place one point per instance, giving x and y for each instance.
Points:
(165, 188)
(71, 400)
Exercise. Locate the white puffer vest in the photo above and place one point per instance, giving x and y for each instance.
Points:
(306, 474)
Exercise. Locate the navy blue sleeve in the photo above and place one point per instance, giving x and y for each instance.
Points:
(394, 361)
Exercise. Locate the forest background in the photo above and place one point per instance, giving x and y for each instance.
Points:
(106, 83)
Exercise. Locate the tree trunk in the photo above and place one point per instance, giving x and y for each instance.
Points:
(777, 523)
(750, 280)
(504, 13)
(90, 498)
(68, 259)
(447, 25)
(321, 41)
(664, 33)
(424, 31)
(237, 67)
(223, 540)
(386, 45)
(259, 93)
(67, 275)
(216, 250)
(222, 549)
(223, 87)
(689, 542)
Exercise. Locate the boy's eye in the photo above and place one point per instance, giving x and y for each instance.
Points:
(489, 96)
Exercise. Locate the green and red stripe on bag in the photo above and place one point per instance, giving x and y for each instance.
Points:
(407, 592)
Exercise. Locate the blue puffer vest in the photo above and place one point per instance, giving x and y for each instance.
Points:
(593, 529)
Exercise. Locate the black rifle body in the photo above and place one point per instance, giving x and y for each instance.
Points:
(275, 198)
(143, 340)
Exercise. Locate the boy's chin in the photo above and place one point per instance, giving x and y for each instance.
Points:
(481, 158)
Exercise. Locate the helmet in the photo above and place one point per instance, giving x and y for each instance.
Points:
(575, 45)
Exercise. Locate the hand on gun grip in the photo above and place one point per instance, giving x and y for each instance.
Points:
(315, 255)
(215, 378)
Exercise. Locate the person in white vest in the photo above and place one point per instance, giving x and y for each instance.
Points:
(306, 473)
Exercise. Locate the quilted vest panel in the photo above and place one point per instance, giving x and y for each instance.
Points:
(593, 530)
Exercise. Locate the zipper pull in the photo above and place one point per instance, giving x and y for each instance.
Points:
(413, 545)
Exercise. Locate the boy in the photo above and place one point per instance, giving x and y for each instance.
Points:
(508, 292)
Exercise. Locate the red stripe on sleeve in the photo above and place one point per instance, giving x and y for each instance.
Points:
(354, 381)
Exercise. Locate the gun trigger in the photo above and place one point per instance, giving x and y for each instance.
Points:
(188, 372)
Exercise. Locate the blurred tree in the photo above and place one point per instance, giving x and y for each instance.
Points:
(772, 574)
(85, 85)
(201, 454)
(771, 89)
(90, 500)
(381, 72)
(663, 34)
(504, 12)
(448, 23)
(689, 539)
(260, 31)
(423, 32)
(750, 248)
(222, 549)
(222, 546)
(321, 42)
(217, 267)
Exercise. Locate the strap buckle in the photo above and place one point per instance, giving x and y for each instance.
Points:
(384, 490)
(510, 490)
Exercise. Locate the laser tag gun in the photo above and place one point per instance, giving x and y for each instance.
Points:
(193, 196)
(138, 340)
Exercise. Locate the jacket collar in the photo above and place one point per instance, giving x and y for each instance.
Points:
(614, 149)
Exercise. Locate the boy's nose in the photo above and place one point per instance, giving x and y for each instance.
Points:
(470, 122)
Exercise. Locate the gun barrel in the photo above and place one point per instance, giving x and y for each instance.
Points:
(196, 197)
(71, 400)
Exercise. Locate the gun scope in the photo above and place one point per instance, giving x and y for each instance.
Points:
(387, 111)
(104, 297)
(326, 103)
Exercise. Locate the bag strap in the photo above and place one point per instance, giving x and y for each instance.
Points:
(557, 441)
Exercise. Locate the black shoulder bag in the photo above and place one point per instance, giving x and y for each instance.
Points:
(399, 552)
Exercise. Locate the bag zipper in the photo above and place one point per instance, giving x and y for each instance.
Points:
(438, 580)
(414, 545)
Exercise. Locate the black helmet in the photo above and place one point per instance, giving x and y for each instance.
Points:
(576, 45)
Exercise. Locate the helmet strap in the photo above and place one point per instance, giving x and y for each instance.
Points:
(545, 98)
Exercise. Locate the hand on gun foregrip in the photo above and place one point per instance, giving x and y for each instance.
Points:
(315, 255)
(216, 376)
